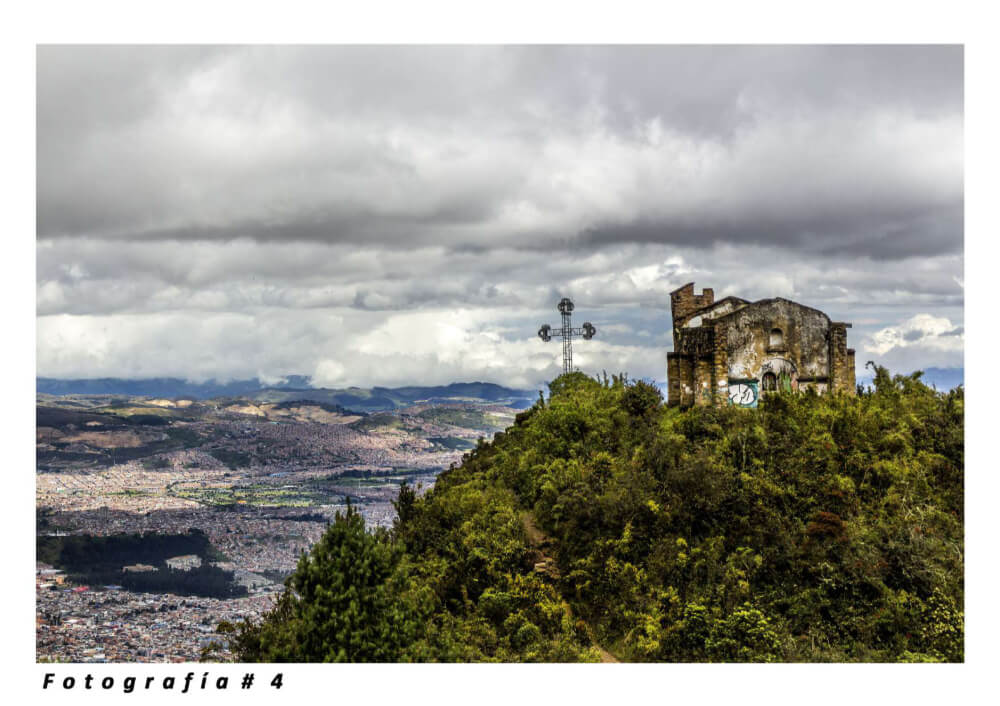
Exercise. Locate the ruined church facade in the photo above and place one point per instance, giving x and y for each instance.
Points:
(732, 351)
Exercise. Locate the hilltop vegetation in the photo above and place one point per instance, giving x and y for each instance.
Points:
(603, 523)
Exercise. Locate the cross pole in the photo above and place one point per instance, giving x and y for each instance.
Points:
(567, 332)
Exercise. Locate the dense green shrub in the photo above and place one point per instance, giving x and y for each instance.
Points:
(814, 528)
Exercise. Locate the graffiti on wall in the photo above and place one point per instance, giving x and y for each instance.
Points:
(779, 374)
(743, 394)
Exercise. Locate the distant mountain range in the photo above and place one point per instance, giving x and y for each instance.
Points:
(375, 399)
(294, 387)
(162, 387)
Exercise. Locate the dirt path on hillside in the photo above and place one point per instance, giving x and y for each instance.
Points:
(547, 566)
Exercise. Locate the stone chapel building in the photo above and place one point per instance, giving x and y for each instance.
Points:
(732, 350)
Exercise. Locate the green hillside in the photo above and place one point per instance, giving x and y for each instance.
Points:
(605, 526)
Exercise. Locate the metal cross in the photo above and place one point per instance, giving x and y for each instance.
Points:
(567, 332)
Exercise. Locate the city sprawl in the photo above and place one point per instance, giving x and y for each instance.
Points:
(238, 489)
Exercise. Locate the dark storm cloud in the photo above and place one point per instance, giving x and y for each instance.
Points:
(817, 149)
(881, 234)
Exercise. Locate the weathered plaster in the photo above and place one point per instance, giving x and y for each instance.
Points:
(715, 311)
(804, 333)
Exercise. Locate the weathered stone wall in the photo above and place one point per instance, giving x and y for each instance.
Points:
(687, 383)
(684, 301)
(735, 343)
(804, 340)
(682, 388)
(696, 342)
(720, 363)
(842, 378)
(703, 388)
(673, 378)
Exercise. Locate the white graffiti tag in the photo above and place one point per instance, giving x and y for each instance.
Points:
(743, 395)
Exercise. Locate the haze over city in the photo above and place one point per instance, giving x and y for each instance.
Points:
(403, 215)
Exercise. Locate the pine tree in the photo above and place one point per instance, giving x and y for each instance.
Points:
(340, 604)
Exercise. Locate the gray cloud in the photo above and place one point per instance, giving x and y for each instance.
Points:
(237, 189)
(542, 147)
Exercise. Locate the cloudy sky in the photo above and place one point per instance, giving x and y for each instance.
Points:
(387, 215)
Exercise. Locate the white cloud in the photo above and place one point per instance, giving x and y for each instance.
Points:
(338, 347)
(329, 373)
(922, 341)
(922, 330)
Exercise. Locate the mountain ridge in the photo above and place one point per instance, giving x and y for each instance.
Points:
(291, 388)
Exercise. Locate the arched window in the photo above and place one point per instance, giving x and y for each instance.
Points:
(769, 382)
(777, 338)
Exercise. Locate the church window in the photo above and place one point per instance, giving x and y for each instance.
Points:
(777, 338)
(769, 382)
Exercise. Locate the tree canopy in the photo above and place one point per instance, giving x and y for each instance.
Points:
(605, 525)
